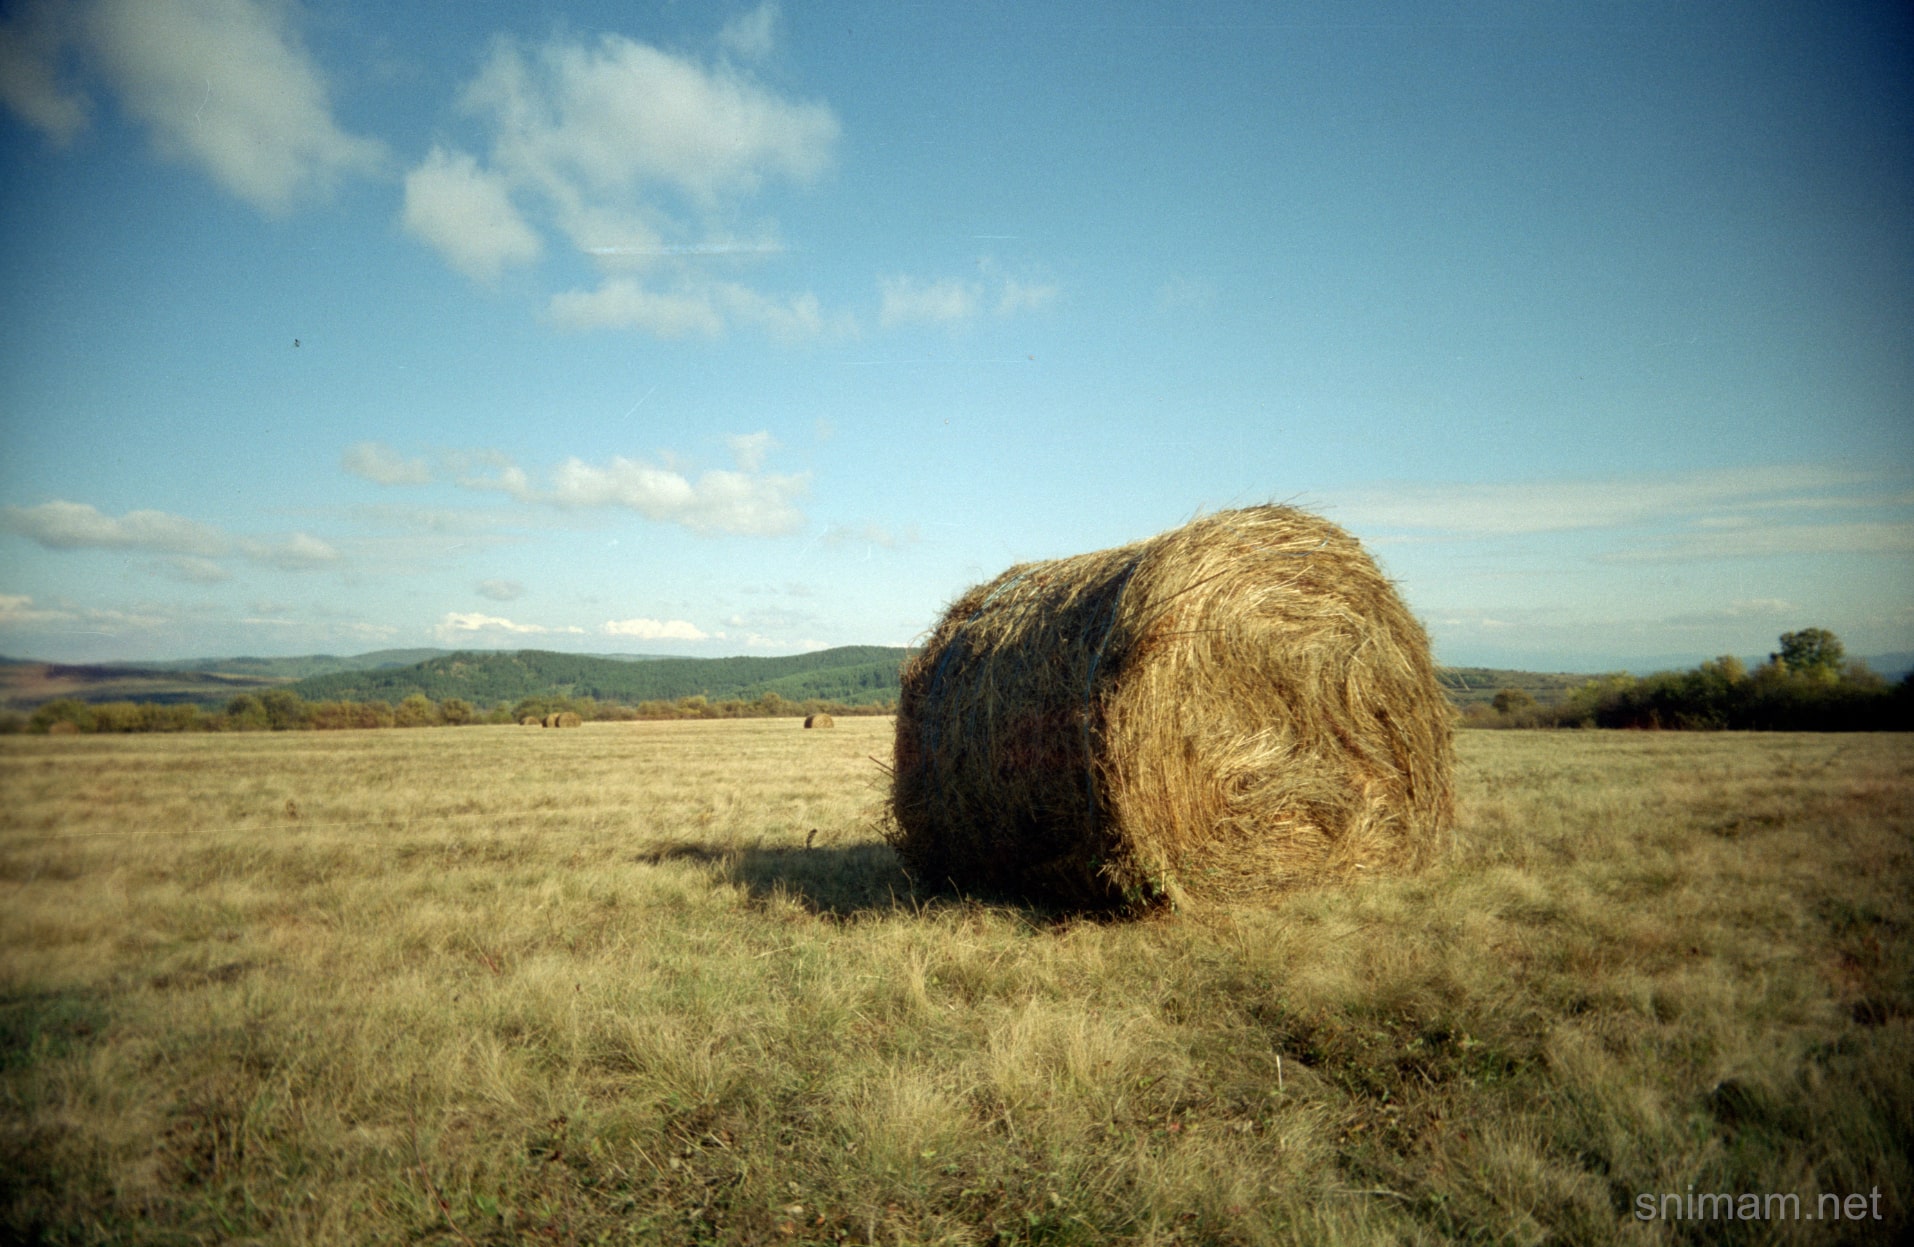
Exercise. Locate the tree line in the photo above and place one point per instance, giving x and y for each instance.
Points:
(281, 710)
(1808, 685)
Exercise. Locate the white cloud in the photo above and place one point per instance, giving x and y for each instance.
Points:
(63, 525)
(1018, 296)
(868, 534)
(193, 571)
(654, 629)
(697, 307)
(30, 51)
(751, 35)
(632, 153)
(718, 502)
(1770, 540)
(907, 301)
(591, 123)
(501, 590)
(1494, 510)
(456, 626)
(382, 465)
(748, 503)
(18, 610)
(623, 304)
(299, 552)
(467, 214)
(749, 449)
(225, 85)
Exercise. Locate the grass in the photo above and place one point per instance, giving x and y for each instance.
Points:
(662, 982)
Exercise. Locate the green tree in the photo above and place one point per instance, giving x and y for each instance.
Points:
(284, 709)
(416, 711)
(1813, 651)
(245, 713)
(456, 711)
(62, 710)
(1511, 700)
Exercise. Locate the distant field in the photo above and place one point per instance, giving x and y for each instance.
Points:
(24, 685)
(662, 982)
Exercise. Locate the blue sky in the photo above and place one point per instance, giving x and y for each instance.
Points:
(714, 329)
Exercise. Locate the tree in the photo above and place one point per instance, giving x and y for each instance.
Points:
(416, 711)
(284, 709)
(246, 714)
(1510, 700)
(1811, 651)
(456, 711)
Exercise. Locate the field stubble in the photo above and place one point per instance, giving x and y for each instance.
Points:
(663, 982)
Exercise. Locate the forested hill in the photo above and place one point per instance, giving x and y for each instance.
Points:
(853, 674)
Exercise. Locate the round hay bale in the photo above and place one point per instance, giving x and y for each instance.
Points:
(550, 720)
(531, 720)
(1220, 713)
(63, 727)
(819, 720)
(568, 718)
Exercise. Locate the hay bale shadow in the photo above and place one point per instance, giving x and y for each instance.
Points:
(840, 882)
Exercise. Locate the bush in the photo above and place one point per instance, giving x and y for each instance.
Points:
(62, 710)
(417, 710)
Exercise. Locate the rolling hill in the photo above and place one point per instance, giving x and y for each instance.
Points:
(854, 675)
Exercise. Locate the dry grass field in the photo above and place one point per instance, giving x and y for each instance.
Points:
(662, 982)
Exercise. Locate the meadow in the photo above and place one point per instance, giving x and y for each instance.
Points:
(664, 982)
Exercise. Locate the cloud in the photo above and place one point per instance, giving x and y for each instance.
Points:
(621, 303)
(907, 301)
(747, 503)
(868, 534)
(17, 610)
(751, 35)
(749, 449)
(654, 629)
(1017, 296)
(76, 526)
(700, 308)
(592, 124)
(297, 553)
(621, 146)
(1707, 497)
(456, 626)
(193, 571)
(224, 84)
(1771, 540)
(467, 215)
(30, 51)
(63, 525)
(382, 465)
(501, 590)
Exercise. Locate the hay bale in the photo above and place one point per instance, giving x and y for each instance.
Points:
(63, 727)
(567, 718)
(819, 720)
(531, 720)
(1219, 713)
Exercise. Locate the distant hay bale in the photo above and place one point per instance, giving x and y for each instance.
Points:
(64, 727)
(567, 718)
(819, 720)
(1220, 713)
(531, 720)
